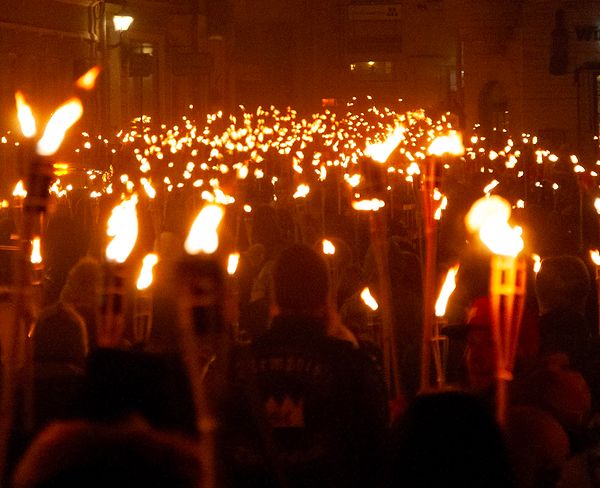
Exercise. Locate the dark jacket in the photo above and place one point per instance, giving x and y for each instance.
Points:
(304, 405)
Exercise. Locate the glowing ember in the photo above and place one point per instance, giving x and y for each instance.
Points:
(537, 263)
(123, 228)
(36, 251)
(381, 151)
(595, 255)
(145, 277)
(368, 205)
(368, 299)
(302, 191)
(25, 116)
(88, 80)
(19, 191)
(60, 122)
(448, 144)
(447, 288)
(232, 263)
(203, 236)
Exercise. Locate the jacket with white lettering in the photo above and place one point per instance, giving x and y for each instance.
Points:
(303, 409)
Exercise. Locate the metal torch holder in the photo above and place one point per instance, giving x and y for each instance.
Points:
(507, 295)
(112, 311)
(142, 317)
(439, 349)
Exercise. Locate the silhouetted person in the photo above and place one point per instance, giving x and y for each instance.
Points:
(98, 455)
(304, 408)
(448, 439)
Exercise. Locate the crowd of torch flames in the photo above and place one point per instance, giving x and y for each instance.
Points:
(366, 156)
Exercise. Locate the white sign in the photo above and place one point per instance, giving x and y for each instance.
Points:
(389, 11)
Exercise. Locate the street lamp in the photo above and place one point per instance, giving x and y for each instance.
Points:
(123, 20)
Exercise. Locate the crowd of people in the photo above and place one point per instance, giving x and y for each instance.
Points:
(287, 386)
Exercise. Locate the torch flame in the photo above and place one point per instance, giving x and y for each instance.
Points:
(25, 116)
(447, 289)
(203, 236)
(145, 278)
(448, 144)
(301, 191)
(88, 80)
(232, 263)
(595, 255)
(64, 117)
(380, 151)
(36, 251)
(537, 263)
(150, 191)
(123, 228)
(328, 247)
(368, 299)
(368, 205)
(489, 216)
(597, 205)
(19, 191)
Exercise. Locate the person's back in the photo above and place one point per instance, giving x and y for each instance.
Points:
(303, 407)
(449, 439)
(102, 455)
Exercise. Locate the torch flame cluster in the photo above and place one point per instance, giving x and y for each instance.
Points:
(61, 120)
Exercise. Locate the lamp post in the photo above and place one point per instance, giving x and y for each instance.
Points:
(121, 21)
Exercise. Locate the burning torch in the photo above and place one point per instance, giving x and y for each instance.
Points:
(439, 342)
(123, 229)
(441, 147)
(142, 319)
(200, 299)
(489, 216)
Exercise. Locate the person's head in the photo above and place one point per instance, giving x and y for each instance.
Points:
(100, 455)
(563, 283)
(84, 284)
(449, 439)
(301, 281)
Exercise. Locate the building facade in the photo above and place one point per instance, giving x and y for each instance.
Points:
(167, 60)
(532, 65)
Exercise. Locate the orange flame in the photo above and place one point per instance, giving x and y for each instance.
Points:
(489, 216)
(537, 263)
(123, 228)
(19, 191)
(232, 263)
(447, 289)
(145, 277)
(595, 255)
(88, 80)
(301, 191)
(25, 116)
(597, 205)
(368, 205)
(60, 122)
(328, 247)
(448, 144)
(368, 299)
(203, 236)
(380, 151)
(36, 251)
